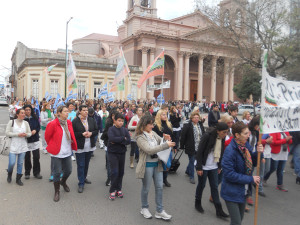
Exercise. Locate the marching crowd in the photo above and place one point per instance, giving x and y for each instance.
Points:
(225, 152)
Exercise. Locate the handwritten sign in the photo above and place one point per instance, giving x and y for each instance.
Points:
(280, 109)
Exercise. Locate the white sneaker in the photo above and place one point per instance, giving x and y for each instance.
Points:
(45, 151)
(163, 215)
(145, 212)
(73, 158)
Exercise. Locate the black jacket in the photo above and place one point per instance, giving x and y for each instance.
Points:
(206, 145)
(175, 121)
(108, 123)
(79, 129)
(34, 125)
(165, 130)
(118, 138)
(212, 121)
(187, 141)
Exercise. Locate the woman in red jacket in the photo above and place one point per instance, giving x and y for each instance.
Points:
(279, 151)
(60, 138)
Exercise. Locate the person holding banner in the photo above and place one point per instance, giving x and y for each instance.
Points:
(150, 167)
(163, 126)
(209, 156)
(46, 117)
(237, 165)
(280, 151)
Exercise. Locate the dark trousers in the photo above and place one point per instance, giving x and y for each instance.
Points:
(61, 165)
(117, 164)
(236, 212)
(177, 138)
(213, 182)
(36, 162)
(83, 161)
(134, 150)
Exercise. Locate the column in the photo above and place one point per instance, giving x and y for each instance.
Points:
(213, 83)
(180, 76)
(231, 80)
(226, 79)
(200, 78)
(187, 77)
(151, 79)
(144, 65)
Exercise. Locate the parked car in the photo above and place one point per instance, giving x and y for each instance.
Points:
(3, 100)
(249, 108)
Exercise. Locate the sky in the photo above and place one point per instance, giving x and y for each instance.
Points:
(42, 24)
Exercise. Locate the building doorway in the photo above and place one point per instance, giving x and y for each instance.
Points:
(193, 90)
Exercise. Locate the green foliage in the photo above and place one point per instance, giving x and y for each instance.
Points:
(250, 84)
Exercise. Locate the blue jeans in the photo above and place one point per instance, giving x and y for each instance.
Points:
(261, 175)
(190, 168)
(12, 161)
(296, 159)
(59, 166)
(277, 165)
(152, 172)
(107, 166)
(83, 161)
(213, 183)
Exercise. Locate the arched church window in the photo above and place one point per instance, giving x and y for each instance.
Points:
(226, 19)
(102, 52)
(238, 19)
(146, 3)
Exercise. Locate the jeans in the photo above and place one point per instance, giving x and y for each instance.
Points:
(261, 175)
(190, 168)
(296, 159)
(177, 138)
(44, 143)
(36, 162)
(213, 183)
(277, 165)
(61, 165)
(117, 164)
(134, 150)
(152, 172)
(12, 161)
(267, 165)
(83, 161)
(107, 166)
(236, 212)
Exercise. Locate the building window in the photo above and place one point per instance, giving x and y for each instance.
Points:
(81, 89)
(35, 89)
(238, 19)
(53, 88)
(97, 88)
(226, 19)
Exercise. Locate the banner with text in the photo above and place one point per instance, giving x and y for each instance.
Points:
(280, 109)
(154, 87)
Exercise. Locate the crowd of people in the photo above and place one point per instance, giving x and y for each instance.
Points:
(225, 152)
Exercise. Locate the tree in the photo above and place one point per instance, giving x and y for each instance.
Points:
(250, 84)
(261, 24)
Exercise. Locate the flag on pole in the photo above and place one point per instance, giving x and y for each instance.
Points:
(32, 100)
(46, 95)
(49, 68)
(58, 98)
(70, 93)
(280, 103)
(103, 91)
(71, 73)
(37, 106)
(121, 72)
(156, 68)
(48, 98)
(129, 97)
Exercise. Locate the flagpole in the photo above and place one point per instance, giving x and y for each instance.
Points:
(162, 86)
(66, 56)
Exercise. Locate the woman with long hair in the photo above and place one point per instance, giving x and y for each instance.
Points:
(175, 119)
(18, 130)
(61, 141)
(33, 144)
(46, 117)
(163, 126)
(150, 167)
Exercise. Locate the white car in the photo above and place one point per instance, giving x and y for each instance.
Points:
(249, 108)
(3, 100)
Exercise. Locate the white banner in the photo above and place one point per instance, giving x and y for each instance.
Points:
(280, 109)
(154, 87)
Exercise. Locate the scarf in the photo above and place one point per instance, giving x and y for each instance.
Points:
(197, 135)
(218, 149)
(64, 124)
(84, 123)
(248, 160)
(49, 113)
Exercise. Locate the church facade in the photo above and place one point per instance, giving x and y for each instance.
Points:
(197, 62)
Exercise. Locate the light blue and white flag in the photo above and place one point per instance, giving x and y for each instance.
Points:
(58, 98)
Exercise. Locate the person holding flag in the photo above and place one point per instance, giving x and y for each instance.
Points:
(150, 167)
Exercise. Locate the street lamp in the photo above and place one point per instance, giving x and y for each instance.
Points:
(66, 56)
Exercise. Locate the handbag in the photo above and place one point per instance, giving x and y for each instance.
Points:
(5, 143)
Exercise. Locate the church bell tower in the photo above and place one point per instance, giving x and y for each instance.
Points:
(142, 8)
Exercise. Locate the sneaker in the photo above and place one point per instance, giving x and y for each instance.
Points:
(265, 184)
(27, 177)
(112, 196)
(51, 179)
(146, 213)
(192, 180)
(119, 194)
(249, 201)
(73, 158)
(38, 176)
(281, 188)
(163, 215)
(45, 151)
(107, 183)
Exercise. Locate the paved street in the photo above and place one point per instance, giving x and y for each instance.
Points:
(33, 204)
